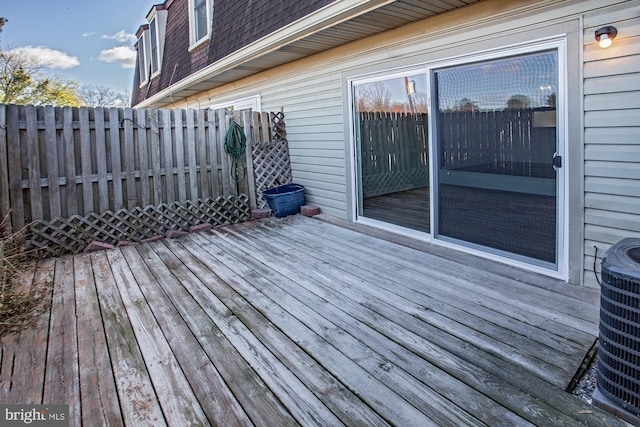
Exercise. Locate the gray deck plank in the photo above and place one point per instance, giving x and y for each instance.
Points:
(450, 311)
(446, 384)
(211, 392)
(299, 401)
(584, 294)
(338, 398)
(459, 358)
(338, 350)
(24, 355)
(97, 385)
(496, 289)
(367, 386)
(259, 402)
(62, 382)
(137, 398)
(177, 400)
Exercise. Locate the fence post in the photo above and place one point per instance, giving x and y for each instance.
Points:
(222, 131)
(5, 206)
(251, 123)
(116, 162)
(201, 147)
(101, 153)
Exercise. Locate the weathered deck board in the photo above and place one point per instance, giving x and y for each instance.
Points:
(502, 366)
(61, 382)
(297, 321)
(304, 406)
(27, 354)
(414, 279)
(300, 363)
(179, 404)
(96, 380)
(220, 403)
(393, 387)
(366, 385)
(138, 401)
(495, 288)
(181, 285)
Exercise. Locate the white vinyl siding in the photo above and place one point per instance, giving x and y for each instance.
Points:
(315, 130)
(611, 133)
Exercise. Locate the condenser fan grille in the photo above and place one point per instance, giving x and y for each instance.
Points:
(619, 347)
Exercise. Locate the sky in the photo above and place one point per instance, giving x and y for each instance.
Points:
(89, 41)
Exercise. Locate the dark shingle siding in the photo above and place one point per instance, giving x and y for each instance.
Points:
(236, 24)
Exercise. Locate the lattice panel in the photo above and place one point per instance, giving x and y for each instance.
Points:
(271, 167)
(373, 185)
(70, 235)
(278, 128)
(271, 163)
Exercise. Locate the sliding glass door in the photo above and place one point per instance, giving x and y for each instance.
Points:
(469, 153)
(497, 145)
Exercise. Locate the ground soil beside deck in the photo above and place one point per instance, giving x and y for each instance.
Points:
(302, 321)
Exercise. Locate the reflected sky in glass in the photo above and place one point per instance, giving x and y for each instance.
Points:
(490, 85)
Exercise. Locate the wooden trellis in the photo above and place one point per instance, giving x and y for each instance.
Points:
(70, 235)
(269, 158)
(271, 165)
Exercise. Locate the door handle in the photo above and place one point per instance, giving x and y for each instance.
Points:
(557, 161)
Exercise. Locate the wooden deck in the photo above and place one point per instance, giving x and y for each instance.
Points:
(301, 321)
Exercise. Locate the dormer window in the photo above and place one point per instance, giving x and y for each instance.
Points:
(153, 33)
(200, 18)
(142, 45)
(157, 18)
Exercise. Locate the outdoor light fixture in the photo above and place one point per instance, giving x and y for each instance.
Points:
(605, 35)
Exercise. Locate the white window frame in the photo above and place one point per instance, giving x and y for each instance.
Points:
(155, 61)
(252, 103)
(143, 57)
(193, 41)
(157, 19)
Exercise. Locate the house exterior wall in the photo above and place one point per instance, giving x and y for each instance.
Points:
(603, 133)
(611, 132)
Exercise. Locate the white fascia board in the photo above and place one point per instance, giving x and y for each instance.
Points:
(328, 16)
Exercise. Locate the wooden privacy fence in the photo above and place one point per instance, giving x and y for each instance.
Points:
(394, 147)
(510, 142)
(394, 152)
(79, 174)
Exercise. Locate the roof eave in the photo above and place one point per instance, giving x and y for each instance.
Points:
(323, 18)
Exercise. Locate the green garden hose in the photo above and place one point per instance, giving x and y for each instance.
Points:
(235, 145)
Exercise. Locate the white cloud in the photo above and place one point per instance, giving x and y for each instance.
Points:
(48, 57)
(122, 36)
(88, 34)
(123, 55)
